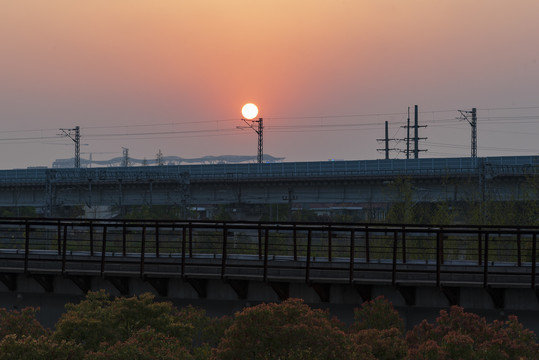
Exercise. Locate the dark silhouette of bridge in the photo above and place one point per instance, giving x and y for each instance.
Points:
(322, 262)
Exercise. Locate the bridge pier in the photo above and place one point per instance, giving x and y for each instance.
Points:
(506, 299)
(220, 297)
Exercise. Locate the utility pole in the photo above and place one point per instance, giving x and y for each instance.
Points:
(73, 134)
(474, 132)
(125, 161)
(386, 140)
(259, 130)
(408, 135)
(260, 153)
(159, 158)
(472, 120)
(416, 137)
(416, 133)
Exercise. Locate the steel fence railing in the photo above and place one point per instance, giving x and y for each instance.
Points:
(345, 252)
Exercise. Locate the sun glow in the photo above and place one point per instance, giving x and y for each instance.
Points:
(249, 111)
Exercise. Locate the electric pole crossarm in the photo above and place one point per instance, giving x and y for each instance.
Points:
(125, 154)
(473, 123)
(386, 140)
(259, 130)
(415, 138)
(250, 124)
(73, 134)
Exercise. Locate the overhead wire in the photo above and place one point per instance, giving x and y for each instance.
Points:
(321, 127)
(493, 148)
(318, 117)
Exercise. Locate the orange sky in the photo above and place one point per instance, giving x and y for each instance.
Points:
(193, 64)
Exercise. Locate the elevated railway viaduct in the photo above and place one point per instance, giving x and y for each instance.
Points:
(367, 186)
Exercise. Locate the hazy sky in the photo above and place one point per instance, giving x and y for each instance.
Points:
(173, 75)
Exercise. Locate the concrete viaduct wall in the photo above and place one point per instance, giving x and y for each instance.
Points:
(352, 183)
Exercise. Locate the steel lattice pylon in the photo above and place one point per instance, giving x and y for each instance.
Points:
(74, 134)
(259, 130)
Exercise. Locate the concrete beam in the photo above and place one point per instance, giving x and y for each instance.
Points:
(323, 291)
(46, 281)
(282, 289)
(452, 293)
(241, 287)
(159, 284)
(83, 282)
(200, 286)
(365, 291)
(408, 293)
(120, 283)
(9, 280)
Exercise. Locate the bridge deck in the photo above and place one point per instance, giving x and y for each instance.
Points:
(269, 252)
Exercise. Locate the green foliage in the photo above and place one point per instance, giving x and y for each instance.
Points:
(142, 345)
(99, 319)
(156, 212)
(18, 211)
(275, 212)
(286, 331)
(442, 214)
(87, 323)
(204, 330)
(379, 327)
(407, 207)
(377, 314)
(521, 209)
(461, 335)
(402, 210)
(42, 348)
(75, 211)
(384, 344)
(529, 209)
(137, 328)
(512, 339)
(305, 215)
(508, 212)
(20, 323)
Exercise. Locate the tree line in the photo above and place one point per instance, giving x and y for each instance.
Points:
(139, 327)
(405, 205)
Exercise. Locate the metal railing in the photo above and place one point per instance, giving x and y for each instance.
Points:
(310, 252)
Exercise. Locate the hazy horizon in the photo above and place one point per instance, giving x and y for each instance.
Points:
(172, 76)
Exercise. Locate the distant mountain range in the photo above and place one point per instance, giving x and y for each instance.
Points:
(166, 160)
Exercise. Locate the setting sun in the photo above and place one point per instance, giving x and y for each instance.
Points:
(249, 111)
